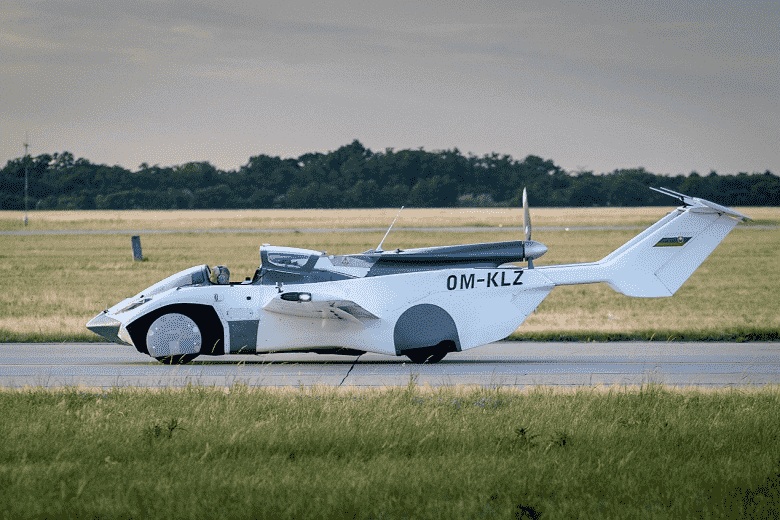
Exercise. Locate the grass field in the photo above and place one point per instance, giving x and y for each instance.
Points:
(53, 284)
(453, 452)
(348, 218)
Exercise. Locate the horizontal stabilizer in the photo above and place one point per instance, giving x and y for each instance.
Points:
(693, 201)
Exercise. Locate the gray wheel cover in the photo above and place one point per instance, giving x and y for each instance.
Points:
(173, 334)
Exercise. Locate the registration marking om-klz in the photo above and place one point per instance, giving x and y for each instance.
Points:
(503, 278)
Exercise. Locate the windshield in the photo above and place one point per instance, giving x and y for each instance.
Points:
(193, 275)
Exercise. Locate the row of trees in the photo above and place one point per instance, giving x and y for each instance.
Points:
(355, 177)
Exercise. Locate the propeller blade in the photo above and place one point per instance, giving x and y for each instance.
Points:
(527, 224)
(526, 216)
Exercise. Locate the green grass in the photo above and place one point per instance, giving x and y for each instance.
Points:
(453, 452)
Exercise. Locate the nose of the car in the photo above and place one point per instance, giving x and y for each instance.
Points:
(106, 327)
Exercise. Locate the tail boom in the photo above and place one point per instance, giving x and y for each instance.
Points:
(659, 260)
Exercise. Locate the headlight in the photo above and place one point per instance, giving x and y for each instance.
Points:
(296, 296)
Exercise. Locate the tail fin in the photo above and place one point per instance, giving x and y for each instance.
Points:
(657, 262)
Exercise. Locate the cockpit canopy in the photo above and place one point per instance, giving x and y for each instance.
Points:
(288, 258)
(291, 265)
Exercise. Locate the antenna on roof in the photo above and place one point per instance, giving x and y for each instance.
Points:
(379, 247)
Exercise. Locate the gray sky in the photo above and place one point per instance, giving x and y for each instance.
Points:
(672, 86)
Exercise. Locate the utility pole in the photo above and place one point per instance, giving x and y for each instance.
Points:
(26, 144)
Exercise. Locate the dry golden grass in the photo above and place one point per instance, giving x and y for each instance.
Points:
(258, 219)
(346, 218)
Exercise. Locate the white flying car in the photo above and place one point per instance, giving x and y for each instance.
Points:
(421, 303)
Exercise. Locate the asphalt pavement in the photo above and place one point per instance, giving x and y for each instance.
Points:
(509, 363)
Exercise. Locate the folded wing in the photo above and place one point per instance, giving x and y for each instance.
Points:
(318, 307)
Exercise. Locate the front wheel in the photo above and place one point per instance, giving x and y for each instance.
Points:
(181, 359)
(174, 339)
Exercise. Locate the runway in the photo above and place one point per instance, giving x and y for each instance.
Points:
(507, 364)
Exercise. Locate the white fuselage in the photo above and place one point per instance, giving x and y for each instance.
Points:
(485, 304)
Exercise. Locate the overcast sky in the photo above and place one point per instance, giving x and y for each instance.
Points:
(673, 86)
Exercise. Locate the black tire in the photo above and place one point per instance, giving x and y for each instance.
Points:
(428, 355)
(181, 359)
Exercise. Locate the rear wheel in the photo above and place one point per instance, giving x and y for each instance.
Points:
(426, 355)
(174, 339)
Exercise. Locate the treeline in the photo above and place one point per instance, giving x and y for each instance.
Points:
(355, 177)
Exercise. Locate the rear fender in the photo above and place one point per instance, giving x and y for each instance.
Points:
(425, 325)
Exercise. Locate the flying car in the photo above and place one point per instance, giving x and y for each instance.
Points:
(420, 303)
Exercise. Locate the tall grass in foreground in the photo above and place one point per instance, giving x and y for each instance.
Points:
(453, 452)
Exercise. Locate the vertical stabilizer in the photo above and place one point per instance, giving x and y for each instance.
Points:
(657, 262)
